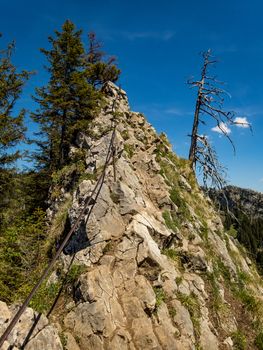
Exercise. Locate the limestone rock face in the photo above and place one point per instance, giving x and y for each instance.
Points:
(32, 332)
(159, 270)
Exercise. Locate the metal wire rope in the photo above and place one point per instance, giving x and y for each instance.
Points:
(97, 188)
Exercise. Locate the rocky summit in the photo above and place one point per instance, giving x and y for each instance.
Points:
(157, 269)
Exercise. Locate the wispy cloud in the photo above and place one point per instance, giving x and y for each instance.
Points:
(222, 128)
(163, 35)
(242, 122)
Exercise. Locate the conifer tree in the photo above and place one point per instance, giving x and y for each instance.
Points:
(12, 127)
(99, 70)
(67, 98)
(71, 98)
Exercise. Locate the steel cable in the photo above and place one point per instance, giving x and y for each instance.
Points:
(96, 190)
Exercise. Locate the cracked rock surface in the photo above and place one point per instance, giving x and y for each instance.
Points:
(29, 334)
(158, 245)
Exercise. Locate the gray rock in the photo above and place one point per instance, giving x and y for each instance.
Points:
(41, 334)
(126, 298)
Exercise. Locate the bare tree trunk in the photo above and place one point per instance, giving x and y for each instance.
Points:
(192, 151)
(209, 104)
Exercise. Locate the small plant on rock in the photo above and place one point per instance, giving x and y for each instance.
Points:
(160, 296)
(239, 340)
(259, 341)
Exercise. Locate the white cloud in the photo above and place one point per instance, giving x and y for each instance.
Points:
(241, 122)
(222, 128)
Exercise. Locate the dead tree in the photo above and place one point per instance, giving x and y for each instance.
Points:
(212, 171)
(209, 105)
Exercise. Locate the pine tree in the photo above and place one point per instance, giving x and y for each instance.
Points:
(67, 100)
(100, 71)
(12, 129)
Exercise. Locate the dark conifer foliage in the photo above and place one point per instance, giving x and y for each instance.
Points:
(99, 70)
(66, 98)
(70, 99)
(12, 129)
(242, 212)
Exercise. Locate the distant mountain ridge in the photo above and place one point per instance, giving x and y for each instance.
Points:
(242, 213)
(247, 200)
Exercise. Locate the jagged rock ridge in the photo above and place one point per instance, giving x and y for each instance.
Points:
(163, 274)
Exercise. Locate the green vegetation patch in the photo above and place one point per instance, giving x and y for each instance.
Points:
(171, 253)
(239, 340)
(216, 297)
(45, 297)
(129, 149)
(192, 304)
(74, 273)
(259, 341)
(170, 222)
(160, 296)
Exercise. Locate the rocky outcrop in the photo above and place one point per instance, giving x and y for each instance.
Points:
(32, 332)
(159, 272)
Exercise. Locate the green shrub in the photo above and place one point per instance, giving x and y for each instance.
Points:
(204, 231)
(45, 297)
(232, 231)
(21, 253)
(129, 150)
(170, 222)
(171, 253)
(74, 273)
(160, 296)
(239, 340)
(125, 135)
(179, 280)
(63, 340)
(172, 311)
(243, 277)
(259, 341)
(247, 299)
(176, 198)
(221, 270)
(164, 139)
(192, 305)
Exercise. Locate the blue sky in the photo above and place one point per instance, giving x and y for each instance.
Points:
(157, 44)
